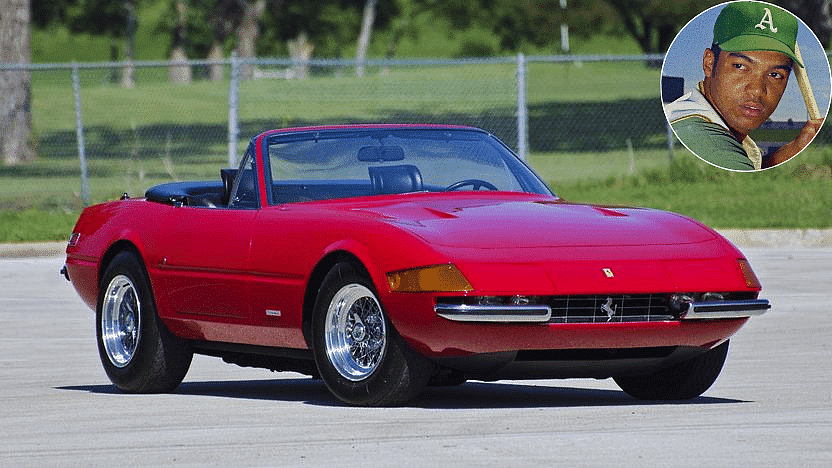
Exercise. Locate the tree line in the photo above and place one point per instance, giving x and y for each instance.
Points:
(208, 28)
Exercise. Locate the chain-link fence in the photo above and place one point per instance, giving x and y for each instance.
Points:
(559, 112)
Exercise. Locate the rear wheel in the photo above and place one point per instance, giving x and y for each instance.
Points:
(139, 354)
(683, 381)
(359, 355)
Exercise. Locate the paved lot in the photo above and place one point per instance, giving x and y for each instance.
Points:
(772, 405)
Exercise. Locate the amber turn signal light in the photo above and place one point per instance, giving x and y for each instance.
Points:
(438, 278)
(750, 278)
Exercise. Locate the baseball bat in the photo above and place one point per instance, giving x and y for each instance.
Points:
(805, 87)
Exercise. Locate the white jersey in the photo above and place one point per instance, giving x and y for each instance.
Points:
(696, 104)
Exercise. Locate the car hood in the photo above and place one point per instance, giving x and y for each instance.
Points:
(490, 222)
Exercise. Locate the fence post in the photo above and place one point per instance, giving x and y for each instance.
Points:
(79, 132)
(233, 129)
(670, 146)
(522, 114)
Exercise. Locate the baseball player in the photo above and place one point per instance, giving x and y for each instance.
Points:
(746, 72)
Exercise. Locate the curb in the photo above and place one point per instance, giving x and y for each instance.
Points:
(32, 249)
(795, 238)
(803, 238)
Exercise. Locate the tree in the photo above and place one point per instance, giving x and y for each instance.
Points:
(199, 29)
(655, 23)
(245, 17)
(519, 23)
(247, 33)
(132, 25)
(224, 18)
(332, 26)
(584, 18)
(15, 92)
(364, 36)
(507, 19)
(115, 19)
(180, 73)
(270, 27)
(46, 12)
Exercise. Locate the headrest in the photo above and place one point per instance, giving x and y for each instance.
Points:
(396, 179)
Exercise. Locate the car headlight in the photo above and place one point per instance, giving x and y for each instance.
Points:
(437, 278)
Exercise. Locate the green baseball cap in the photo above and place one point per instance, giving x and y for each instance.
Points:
(756, 26)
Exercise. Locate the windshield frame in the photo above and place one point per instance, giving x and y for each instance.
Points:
(523, 174)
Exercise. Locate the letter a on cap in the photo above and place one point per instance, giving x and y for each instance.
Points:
(766, 19)
(743, 26)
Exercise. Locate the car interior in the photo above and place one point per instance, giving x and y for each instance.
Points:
(383, 180)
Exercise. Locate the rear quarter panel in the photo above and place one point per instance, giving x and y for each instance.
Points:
(96, 230)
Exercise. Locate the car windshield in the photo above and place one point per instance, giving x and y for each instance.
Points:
(328, 164)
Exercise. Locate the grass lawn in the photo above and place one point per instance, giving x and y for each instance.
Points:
(797, 195)
(596, 134)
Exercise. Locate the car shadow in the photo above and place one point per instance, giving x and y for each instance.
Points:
(470, 395)
(515, 395)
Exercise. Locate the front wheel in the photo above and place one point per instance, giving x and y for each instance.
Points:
(683, 381)
(139, 354)
(358, 353)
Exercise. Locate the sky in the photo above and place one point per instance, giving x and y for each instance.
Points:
(684, 58)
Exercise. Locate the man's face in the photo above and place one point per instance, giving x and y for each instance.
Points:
(745, 87)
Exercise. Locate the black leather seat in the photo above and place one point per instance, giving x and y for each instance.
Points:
(246, 196)
(227, 175)
(396, 179)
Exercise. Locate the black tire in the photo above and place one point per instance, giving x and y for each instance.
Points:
(360, 357)
(139, 354)
(683, 381)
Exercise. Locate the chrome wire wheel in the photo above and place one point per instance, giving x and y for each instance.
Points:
(355, 333)
(120, 321)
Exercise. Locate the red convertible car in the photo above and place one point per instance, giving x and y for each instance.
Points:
(385, 258)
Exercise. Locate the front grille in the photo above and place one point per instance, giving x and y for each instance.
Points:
(601, 308)
(610, 308)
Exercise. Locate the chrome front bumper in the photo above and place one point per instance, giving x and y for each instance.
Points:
(494, 313)
(725, 309)
(543, 313)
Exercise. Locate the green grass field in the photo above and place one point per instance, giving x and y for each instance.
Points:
(596, 134)
(796, 195)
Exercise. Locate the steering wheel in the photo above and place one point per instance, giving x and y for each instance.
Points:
(475, 184)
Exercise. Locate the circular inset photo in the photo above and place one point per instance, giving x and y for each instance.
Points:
(746, 85)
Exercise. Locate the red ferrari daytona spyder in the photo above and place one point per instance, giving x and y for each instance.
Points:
(384, 258)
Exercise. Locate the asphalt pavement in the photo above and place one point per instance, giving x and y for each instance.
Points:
(771, 406)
